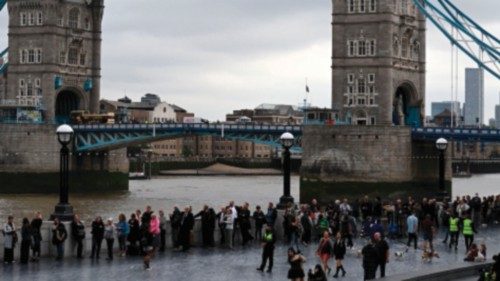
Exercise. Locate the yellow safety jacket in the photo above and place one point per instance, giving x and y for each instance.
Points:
(453, 224)
(468, 227)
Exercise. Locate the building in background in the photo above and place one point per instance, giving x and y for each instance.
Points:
(474, 97)
(268, 114)
(151, 109)
(439, 107)
(444, 119)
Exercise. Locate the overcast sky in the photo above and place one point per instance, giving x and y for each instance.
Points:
(211, 57)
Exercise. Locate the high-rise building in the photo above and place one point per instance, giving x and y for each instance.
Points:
(497, 116)
(439, 107)
(378, 62)
(474, 97)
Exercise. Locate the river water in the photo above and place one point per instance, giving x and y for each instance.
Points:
(166, 192)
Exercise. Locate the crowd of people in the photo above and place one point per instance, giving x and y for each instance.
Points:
(332, 227)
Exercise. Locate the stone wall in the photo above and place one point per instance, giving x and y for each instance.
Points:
(29, 163)
(350, 161)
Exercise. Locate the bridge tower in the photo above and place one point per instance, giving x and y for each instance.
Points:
(378, 62)
(55, 56)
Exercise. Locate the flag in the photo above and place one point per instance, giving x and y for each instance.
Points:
(307, 88)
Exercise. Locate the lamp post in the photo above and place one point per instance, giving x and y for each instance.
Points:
(441, 145)
(63, 210)
(287, 140)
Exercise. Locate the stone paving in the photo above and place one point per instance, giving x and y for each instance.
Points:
(238, 264)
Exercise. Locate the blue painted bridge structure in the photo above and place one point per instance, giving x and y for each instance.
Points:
(108, 137)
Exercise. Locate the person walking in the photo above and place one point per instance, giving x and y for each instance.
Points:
(454, 230)
(78, 234)
(268, 241)
(26, 234)
(445, 223)
(163, 230)
(306, 225)
(9, 240)
(97, 237)
(412, 229)
(339, 250)
(122, 232)
(428, 230)
(109, 235)
(324, 251)
(468, 231)
(36, 225)
(296, 272)
(382, 248)
(370, 260)
(260, 219)
(59, 235)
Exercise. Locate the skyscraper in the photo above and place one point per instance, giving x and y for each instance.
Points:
(474, 97)
(497, 116)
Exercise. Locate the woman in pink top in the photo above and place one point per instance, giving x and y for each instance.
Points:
(154, 229)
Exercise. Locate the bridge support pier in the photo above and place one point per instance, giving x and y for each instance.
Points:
(352, 161)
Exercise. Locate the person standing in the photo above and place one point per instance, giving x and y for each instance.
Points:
(59, 235)
(163, 230)
(324, 251)
(122, 232)
(26, 234)
(412, 229)
(9, 240)
(339, 250)
(134, 235)
(306, 223)
(187, 225)
(222, 225)
(382, 252)
(268, 241)
(454, 230)
(271, 215)
(109, 235)
(207, 225)
(229, 227)
(260, 219)
(245, 225)
(36, 225)
(97, 237)
(468, 231)
(78, 234)
(175, 224)
(445, 223)
(370, 261)
(154, 230)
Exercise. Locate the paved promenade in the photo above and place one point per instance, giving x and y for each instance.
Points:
(238, 264)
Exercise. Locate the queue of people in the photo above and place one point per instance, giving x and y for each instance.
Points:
(332, 226)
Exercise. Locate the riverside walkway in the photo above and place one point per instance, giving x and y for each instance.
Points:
(238, 264)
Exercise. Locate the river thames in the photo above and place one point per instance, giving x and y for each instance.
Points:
(166, 192)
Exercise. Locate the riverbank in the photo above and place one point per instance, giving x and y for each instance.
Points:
(219, 169)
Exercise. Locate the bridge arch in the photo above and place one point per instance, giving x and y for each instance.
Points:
(67, 100)
(406, 106)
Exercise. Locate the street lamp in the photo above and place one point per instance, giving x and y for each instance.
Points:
(441, 145)
(63, 210)
(287, 140)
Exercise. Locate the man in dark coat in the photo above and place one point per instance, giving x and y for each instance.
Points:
(382, 252)
(78, 234)
(271, 215)
(268, 241)
(187, 225)
(207, 225)
(245, 226)
(97, 236)
(260, 219)
(175, 223)
(370, 261)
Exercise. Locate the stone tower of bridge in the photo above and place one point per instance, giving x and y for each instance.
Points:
(378, 62)
(55, 56)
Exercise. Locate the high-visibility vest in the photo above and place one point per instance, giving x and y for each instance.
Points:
(453, 224)
(268, 237)
(467, 227)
